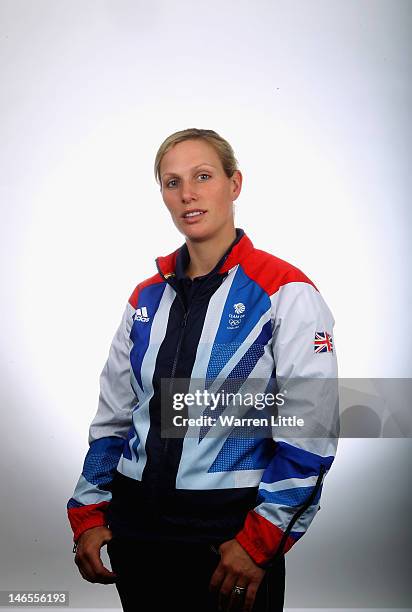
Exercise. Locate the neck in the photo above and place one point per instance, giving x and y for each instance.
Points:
(205, 255)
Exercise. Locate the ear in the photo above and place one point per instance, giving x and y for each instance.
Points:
(237, 180)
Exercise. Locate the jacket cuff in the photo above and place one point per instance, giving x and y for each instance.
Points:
(86, 517)
(261, 538)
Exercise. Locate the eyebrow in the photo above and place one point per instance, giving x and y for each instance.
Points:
(194, 168)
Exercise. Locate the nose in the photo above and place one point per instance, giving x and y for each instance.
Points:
(187, 192)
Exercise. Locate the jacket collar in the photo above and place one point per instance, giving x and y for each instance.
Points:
(175, 263)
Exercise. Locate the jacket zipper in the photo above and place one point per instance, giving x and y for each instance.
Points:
(182, 328)
(299, 513)
(179, 344)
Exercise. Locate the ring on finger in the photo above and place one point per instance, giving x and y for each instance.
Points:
(238, 590)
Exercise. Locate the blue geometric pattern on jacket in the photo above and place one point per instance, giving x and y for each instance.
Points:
(101, 460)
(243, 454)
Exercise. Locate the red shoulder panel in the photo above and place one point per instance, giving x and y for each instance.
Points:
(167, 263)
(271, 272)
(156, 278)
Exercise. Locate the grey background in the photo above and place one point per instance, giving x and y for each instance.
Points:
(315, 98)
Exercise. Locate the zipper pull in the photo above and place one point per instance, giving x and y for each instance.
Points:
(184, 321)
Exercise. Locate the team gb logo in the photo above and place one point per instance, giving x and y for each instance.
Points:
(236, 319)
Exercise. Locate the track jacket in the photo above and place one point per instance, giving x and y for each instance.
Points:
(253, 316)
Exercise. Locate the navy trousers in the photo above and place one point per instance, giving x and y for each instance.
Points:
(170, 576)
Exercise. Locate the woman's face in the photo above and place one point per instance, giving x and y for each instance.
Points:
(192, 178)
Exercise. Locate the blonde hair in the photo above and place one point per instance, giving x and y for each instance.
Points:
(220, 145)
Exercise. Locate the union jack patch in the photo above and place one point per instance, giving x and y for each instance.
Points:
(323, 342)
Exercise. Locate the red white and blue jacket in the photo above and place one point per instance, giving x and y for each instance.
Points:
(264, 491)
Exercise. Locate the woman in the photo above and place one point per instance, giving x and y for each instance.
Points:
(200, 520)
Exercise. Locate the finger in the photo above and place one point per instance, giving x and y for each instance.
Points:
(84, 568)
(92, 568)
(101, 573)
(235, 603)
(237, 599)
(225, 592)
(79, 567)
(250, 596)
(217, 578)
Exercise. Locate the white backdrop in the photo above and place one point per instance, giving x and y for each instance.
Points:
(315, 98)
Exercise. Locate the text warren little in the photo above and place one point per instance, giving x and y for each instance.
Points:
(232, 421)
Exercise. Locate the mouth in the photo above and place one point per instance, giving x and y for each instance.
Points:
(192, 215)
(195, 212)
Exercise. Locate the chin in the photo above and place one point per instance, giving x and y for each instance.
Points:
(196, 233)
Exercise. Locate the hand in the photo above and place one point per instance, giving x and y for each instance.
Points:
(88, 558)
(236, 567)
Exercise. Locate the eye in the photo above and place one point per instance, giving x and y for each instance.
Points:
(169, 184)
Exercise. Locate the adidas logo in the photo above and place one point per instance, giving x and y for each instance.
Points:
(141, 315)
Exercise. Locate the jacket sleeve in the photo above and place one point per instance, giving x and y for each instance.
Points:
(306, 367)
(107, 434)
